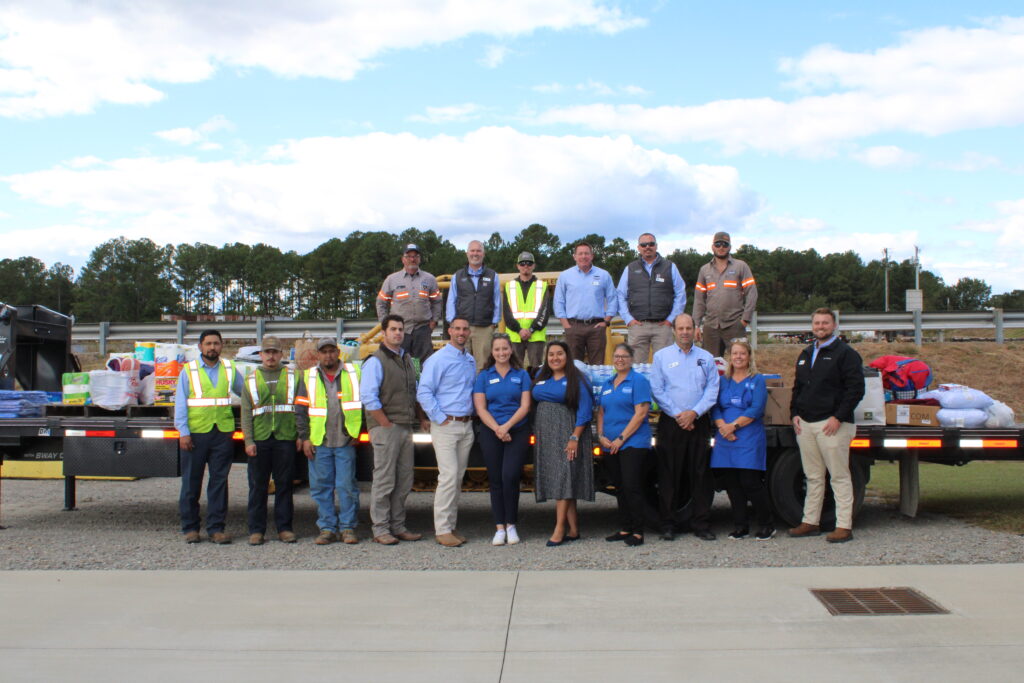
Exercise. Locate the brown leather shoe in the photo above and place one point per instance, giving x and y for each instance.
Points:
(192, 537)
(805, 530)
(349, 536)
(840, 535)
(459, 536)
(449, 540)
(286, 536)
(408, 536)
(220, 538)
(326, 537)
(385, 539)
(255, 539)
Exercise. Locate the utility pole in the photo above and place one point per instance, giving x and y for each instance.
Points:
(885, 267)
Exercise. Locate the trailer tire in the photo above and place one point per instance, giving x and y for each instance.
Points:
(787, 485)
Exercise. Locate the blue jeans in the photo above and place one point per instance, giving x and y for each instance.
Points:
(334, 469)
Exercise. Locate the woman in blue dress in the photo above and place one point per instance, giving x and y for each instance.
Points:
(625, 435)
(501, 395)
(563, 460)
(741, 448)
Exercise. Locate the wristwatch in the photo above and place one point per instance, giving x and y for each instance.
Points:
(573, 437)
(620, 437)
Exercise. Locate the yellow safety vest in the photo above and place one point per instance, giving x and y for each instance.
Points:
(525, 310)
(210, 406)
(267, 406)
(351, 406)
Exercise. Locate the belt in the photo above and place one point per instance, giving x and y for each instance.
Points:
(588, 321)
(460, 418)
(653, 320)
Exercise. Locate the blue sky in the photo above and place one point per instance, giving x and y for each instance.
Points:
(820, 125)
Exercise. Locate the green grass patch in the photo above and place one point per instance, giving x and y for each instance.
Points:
(986, 494)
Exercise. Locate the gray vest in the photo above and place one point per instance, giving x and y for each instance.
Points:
(475, 305)
(397, 388)
(650, 296)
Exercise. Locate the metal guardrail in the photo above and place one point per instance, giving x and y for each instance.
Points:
(183, 332)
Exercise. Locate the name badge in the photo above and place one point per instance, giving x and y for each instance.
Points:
(672, 365)
(658, 278)
(495, 380)
(801, 361)
(517, 380)
(627, 390)
(736, 400)
(485, 279)
(543, 381)
(596, 283)
(606, 392)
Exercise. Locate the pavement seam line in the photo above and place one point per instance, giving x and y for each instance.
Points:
(508, 628)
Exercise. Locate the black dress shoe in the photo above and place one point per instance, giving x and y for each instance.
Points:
(633, 540)
(555, 544)
(668, 535)
(617, 536)
(570, 539)
(705, 535)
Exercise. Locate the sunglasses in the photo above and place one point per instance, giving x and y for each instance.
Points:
(526, 263)
(648, 244)
(721, 244)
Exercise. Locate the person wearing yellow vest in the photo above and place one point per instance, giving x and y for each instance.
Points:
(526, 306)
(328, 417)
(271, 441)
(206, 425)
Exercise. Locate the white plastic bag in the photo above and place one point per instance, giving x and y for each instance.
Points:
(871, 409)
(958, 396)
(111, 389)
(963, 418)
(1000, 415)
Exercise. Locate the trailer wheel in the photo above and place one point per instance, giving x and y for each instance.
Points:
(788, 487)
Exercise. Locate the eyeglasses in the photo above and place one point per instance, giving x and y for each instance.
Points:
(526, 263)
(648, 244)
(618, 357)
(721, 244)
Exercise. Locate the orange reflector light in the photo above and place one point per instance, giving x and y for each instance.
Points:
(364, 437)
(533, 440)
(999, 443)
(238, 436)
(924, 443)
(100, 432)
(860, 443)
(597, 450)
(159, 434)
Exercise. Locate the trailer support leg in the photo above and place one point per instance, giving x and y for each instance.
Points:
(69, 494)
(910, 483)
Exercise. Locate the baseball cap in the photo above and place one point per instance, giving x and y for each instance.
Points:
(525, 256)
(326, 341)
(270, 343)
(411, 247)
(722, 237)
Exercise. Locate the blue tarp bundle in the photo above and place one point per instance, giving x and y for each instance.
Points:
(22, 403)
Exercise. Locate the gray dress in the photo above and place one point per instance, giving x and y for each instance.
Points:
(555, 475)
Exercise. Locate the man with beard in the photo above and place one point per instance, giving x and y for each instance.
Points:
(206, 424)
(724, 297)
(475, 295)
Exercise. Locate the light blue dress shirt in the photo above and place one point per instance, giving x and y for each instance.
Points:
(585, 295)
(453, 294)
(684, 381)
(678, 300)
(369, 382)
(818, 347)
(446, 384)
(181, 394)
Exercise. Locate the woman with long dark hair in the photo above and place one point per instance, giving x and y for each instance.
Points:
(501, 395)
(563, 460)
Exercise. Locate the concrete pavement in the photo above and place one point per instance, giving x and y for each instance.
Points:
(697, 624)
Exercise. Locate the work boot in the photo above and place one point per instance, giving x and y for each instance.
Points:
(192, 537)
(385, 539)
(220, 538)
(256, 539)
(804, 530)
(408, 536)
(459, 536)
(286, 536)
(326, 537)
(840, 535)
(349, 537)
(449, 540)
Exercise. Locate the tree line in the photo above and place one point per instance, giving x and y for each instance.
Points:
(138, 280)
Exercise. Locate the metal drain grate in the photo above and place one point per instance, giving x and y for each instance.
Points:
(842, 601)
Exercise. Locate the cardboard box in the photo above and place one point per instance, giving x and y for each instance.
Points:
(776, 410)
(774, 382)
(921, 416)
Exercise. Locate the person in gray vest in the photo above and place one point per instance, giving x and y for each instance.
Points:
(475, 295)
(388, 392)
(651, 294)
(526, 307)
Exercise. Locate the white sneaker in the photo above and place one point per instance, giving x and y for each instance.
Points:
(499, 537)
(510, 533)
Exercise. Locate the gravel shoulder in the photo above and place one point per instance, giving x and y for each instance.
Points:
(134, 525)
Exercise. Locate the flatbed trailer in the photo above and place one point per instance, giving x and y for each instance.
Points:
(123, 444)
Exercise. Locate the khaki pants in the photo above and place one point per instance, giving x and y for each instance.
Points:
(820, 454)
(716, 339)
(451, 447)
(480, 343)
(647, 339)
(392, 477)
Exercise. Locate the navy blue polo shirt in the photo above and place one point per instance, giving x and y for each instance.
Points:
(504, 394)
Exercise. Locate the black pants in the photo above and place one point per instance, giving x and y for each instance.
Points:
(504, 460)
(627, 470)
(686, 452)
(216, 450)
(743, 486)
(418, 343)
(278, 457)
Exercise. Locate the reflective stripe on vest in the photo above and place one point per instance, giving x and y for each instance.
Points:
(525, 310)
(262, 409)
(351, 407)
(206, 412)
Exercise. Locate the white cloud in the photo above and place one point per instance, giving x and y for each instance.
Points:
(886, 155)
(549, 88)
(972, 162)
(180, 136)
(199, 134)
(62, 56)
(306, 191)
(593, 87)
(454, 113)
(933, 81)
(494, 56)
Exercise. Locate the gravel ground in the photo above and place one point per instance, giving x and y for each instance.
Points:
(134, 525)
